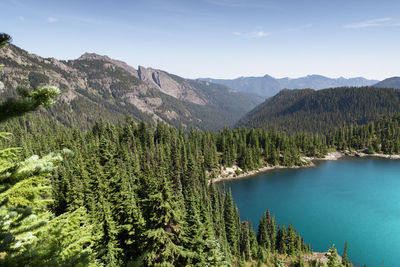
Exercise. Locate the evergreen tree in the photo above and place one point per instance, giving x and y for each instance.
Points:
(230, 223)
(345, 259)
(163, 237)
(333, 258)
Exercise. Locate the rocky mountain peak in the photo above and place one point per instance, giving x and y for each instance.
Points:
(119, 63)
(93, 56)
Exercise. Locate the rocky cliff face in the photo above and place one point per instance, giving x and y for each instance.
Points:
(95, 87)
(166, 84)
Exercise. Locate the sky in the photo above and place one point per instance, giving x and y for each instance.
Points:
(216, 38)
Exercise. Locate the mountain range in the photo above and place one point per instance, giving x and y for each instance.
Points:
(268, 86)
(95, 87)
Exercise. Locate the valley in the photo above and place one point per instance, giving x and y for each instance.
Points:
(104, 164)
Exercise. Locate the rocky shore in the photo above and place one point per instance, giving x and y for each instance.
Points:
(235, 172)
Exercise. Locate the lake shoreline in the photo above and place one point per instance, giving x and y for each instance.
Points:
(229, 173)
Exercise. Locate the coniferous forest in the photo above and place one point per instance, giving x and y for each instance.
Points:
(138, 194)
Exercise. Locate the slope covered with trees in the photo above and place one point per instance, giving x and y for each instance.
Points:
(145, 197)
(321, 111)
(393, 82)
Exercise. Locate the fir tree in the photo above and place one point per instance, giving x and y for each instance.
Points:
(230, 223)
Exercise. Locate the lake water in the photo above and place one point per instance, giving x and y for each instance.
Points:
(357, 200)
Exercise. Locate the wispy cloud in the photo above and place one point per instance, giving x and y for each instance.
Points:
(240, 3)
(379, 22)
(254, 34)
(52, 19)
(21, 18)
(301, 27)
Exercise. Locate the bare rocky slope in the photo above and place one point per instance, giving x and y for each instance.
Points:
(95, 86)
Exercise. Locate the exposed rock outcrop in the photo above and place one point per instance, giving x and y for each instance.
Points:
(166, 84)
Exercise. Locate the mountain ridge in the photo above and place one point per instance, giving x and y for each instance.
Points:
(267, 86)
(95, 86)
(392, 82)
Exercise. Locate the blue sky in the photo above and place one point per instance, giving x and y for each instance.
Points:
(217, 38)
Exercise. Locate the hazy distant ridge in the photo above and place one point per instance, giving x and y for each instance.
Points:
(267, 86)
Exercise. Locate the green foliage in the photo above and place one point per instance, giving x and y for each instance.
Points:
(29, 233)
(333, 257)
(63, 241)
(5, 39)
(156, 204)
(29, 101)
(345, 260)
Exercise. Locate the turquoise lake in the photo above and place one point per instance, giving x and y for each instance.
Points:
(353, 199)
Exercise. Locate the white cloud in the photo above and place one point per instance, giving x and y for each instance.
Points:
(379, 22)
(254, 34)
(52, 19)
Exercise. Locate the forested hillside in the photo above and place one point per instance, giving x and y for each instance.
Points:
(94, 87)
(294, 111)
(141, 194)
(393, 82)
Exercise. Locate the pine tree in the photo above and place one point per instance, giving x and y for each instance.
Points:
(345, 259)
(271, 227)
(164, 235)
(263, 237)
(230, 223)
(253, 241)
(333, 258)
(245, 241)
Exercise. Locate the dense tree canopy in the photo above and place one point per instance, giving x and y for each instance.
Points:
(144, 193)
(295, 111)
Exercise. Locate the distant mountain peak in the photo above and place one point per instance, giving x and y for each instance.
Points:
(266, 76)
(119, 63)
(88, 55)
(267, 86)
